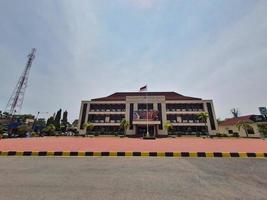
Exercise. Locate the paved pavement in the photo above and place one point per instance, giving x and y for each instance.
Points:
(101, 178)
(134, 144)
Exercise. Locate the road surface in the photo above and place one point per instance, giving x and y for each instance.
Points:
(102, 178)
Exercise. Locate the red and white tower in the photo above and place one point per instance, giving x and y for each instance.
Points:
(15, 102)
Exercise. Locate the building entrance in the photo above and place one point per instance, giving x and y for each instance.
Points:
(142, 131)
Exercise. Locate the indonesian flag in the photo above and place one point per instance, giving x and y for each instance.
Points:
(143, 89)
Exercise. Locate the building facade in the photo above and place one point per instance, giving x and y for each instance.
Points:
(147, 111)
(229, 126)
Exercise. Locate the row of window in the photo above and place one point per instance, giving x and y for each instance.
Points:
(188, 128)
(107, 107)
(106, 130)
(112, 130)
(105, 118)
(185, 107)
(144, 107)
(184, 118)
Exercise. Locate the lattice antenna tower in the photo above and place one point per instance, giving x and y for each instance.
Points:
(15, 102)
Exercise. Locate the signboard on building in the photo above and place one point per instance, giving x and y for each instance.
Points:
(151, 115)
(263, 111)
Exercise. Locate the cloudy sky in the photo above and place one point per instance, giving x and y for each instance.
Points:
(85, 49)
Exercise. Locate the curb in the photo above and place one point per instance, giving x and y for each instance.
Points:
(135, 154)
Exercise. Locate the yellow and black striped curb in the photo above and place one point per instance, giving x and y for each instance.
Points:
(137, 154)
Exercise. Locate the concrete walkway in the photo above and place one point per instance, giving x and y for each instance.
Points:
(102, 144)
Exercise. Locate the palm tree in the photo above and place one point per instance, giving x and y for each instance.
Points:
(203, 117)
(124, 125)
(168, 126)
(88, 127)
(243, 125)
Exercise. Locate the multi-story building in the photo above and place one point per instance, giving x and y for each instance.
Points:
(147, 111)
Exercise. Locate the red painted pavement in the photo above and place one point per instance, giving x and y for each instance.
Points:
(133, 144)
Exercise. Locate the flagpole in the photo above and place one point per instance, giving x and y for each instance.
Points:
(147, 132)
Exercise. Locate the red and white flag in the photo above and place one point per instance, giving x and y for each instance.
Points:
(143, 89)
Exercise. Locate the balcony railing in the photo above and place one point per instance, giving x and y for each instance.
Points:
(105, 121)
(186, 121)
(184, 110)
(107, 110)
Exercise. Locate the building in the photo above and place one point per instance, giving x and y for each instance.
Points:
(229, 126)
(181, 111)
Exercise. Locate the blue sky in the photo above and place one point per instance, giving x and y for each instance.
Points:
(86, 49)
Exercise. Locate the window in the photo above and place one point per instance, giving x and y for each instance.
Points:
(230, 131)
(250, 130)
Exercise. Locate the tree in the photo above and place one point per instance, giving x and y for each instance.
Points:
(124, 125)
(168, 126)
(235, 112)
(49, 130)
(203, 117)
(6, 115)
(64, 121)
(65, 118)
(262, 128)
(243, 125)
(88, 127)
(50, 120)
(1, 130)
(22, 130)
(57, 120)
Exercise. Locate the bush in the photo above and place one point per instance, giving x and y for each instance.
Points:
(34, 134)
(235, 134)
(22, 130)
(50, 130)
(96, 134)
(219, 135)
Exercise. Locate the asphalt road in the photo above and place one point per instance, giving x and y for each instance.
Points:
(102, 178)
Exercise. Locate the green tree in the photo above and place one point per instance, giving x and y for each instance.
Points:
(22, 130)
(57, 120)
(1, 130)
(64, 121)
(88, 127)
(50, 130)
(6, 115)
(65, 118)
(243, 125)
(50, 120)
(262, 128)
(204, 117)
(168, 126)
(125, 124)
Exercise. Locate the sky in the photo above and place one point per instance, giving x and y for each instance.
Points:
(87, 49)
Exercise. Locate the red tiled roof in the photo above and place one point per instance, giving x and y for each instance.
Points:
(236, 120)
(121, 96)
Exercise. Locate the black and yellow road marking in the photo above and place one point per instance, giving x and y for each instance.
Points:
(136, 154)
